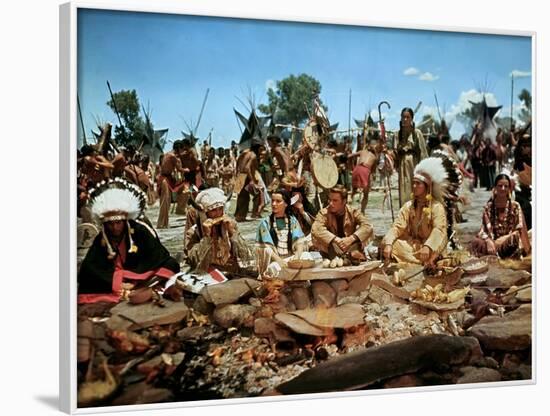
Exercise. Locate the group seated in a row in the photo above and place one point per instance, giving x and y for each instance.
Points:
(129, 250)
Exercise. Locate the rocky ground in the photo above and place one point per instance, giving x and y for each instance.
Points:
(245, 338)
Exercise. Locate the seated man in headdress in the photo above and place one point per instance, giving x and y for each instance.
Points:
(214, 241)
(340, 229)
(420, 233)
(126, 249)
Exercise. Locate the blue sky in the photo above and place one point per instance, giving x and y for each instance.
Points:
(170, 60)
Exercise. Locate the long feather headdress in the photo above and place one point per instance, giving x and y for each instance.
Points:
(116, 199)
(442, 174)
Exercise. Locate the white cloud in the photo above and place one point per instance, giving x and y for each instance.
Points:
(428, 76)
(426, 109)
(516, 73)
(462, 103)
(270, 84)
(518, 107)
(473, 96)
(411, 71)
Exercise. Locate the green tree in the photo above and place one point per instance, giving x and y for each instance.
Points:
(133, 129)
(526, 99)
(288, 101)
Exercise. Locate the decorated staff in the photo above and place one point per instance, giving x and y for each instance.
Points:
(387, 160)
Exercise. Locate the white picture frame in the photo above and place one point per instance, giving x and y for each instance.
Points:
(68, 129)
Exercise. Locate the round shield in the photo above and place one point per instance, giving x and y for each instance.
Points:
(85, 235)
(324, 169)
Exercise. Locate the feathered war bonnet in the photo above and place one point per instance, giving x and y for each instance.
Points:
(441, 174)
(443, 178)
(116, 200)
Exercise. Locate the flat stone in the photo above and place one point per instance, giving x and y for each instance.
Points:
(524, 295)
(228, 316)
(300, 297)
(283, 304)
(478, 375)
(133, 317)
(498, 276)
(300, 325)
(379, 296)
(192, 333)
(230, 291)
(350, 296)
(360, 284)
(339, 285)
(268, 327)
(383, 282)
(202, 306)
(512, 332)
(323, 294)
(320, 273)
(344, 316)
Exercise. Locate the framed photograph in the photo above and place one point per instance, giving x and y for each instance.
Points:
(266, 209)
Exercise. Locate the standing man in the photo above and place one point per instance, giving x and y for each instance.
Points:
(247, 182)
(212, 168)
(411, 149)
(360, 178)
(192, 177)
(170, 165)
(281, 155)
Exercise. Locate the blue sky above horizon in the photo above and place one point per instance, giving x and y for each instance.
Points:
(170, 60)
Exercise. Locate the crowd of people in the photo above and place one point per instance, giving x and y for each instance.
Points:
(115, 186)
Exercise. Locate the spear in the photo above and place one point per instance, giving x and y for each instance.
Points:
(349, 115)
(116, 110)
(512, 104)
(437, 104)
(81, 120)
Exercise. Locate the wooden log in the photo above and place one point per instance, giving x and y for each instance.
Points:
(360, 369)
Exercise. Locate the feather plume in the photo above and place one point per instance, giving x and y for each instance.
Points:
(117, 196)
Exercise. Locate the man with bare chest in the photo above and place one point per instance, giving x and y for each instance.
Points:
(167, 184)
(122, 159)
(192, 177)
(281, 155)
(360, 178)
(247, 182)
(94, 168)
